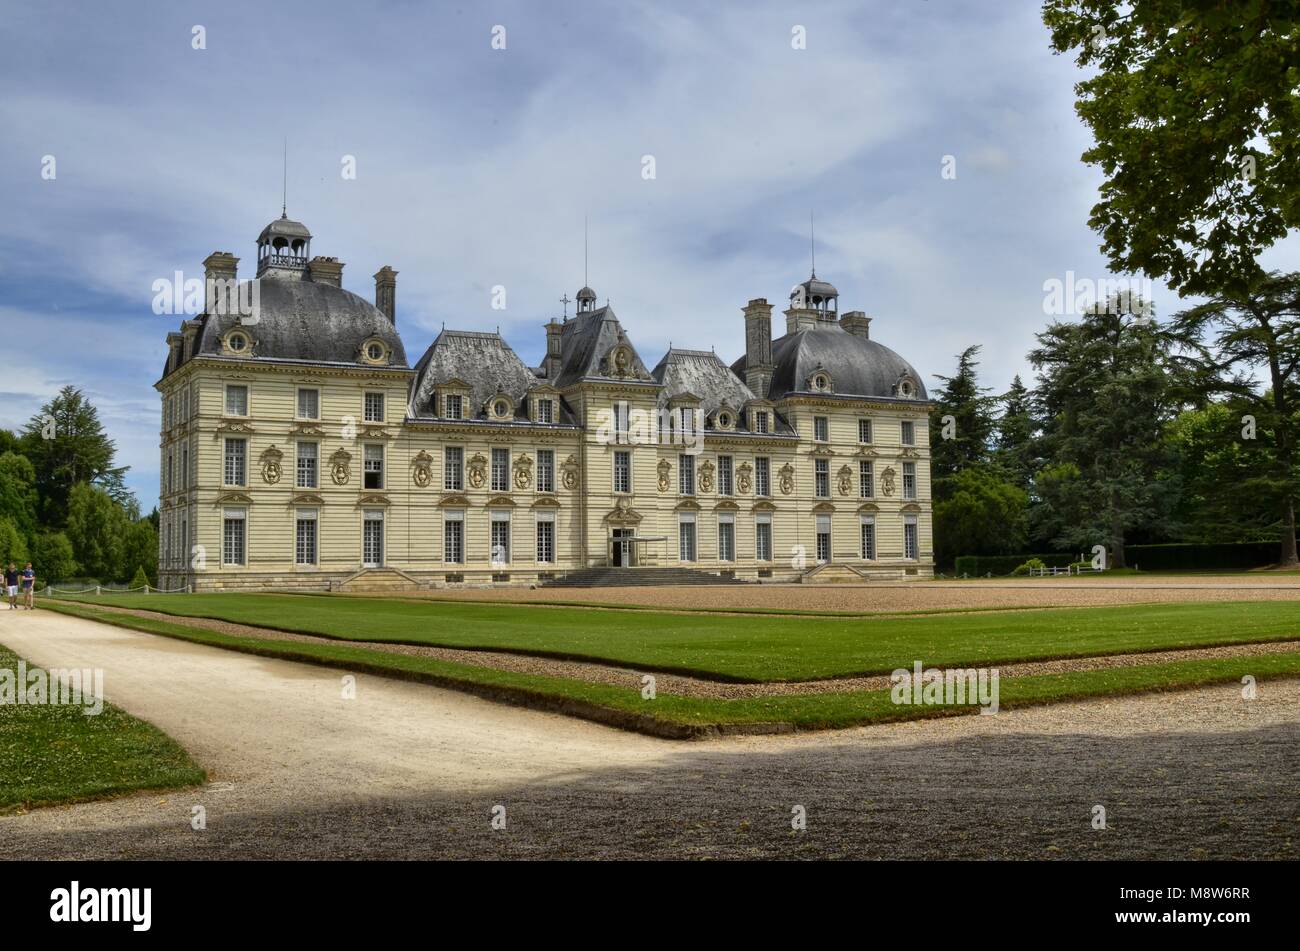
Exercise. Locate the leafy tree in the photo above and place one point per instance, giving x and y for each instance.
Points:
(53, 557)
(1195, 112)
(97, 528)
(1252, 332)
(67, 445)
(980, 515)
(962, 398)
(13, 546)
(18, 498)
(1105, 388)
(9, 442)
(1013, 440)
(140, 548)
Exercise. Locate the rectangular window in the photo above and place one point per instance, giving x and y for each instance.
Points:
(546, 470)
(762, 476)
(821, 429)
(167, 545)
(726, 537)
(909, 536)
(864, 430)
(868, 538)
(374, 407)
(724, 475)
(185, 467)
(305, 537)
(909, 480)
(453, 407)
(760, 422)
(374, 466)
(763, 538)
(236, 400)
(622, 471)
(545, 541)
(686, 538)
(236, 469)
(688, 422)
(453, 468)
(232, 537)
(866, 480)
(546, 411)
(500, 539)
(909, 432)
(169, 472)
(308, 404)
(453, 537)
(185, 541)
(500, 469)
(686, 474)
(372, 538)
(823, 539)
(822, 480)
(620, 421)
(307, 465)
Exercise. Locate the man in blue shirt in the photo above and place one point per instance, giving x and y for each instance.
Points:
(11, 585)
(29, 583)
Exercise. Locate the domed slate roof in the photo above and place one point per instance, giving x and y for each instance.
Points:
(307, 321)
(857, 365)
(284, 227)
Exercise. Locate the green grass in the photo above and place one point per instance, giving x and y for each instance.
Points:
(56, 754)
(681, 716)
(747, 648)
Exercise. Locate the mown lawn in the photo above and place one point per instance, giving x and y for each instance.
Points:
(56, 754)
(667, 714)
(750, 648)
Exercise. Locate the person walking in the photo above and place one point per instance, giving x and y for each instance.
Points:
(29, 585)
(11, 585)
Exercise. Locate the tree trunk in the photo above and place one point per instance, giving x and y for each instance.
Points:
(1287, 556)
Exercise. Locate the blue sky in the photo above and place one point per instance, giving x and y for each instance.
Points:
(475, 168)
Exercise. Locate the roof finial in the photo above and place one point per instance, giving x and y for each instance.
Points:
(584, 251)
(284, 193)
(812, 242)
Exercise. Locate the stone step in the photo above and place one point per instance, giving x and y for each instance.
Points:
(638, 577)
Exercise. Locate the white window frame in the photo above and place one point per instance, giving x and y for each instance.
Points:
(499, 517)
(911, 539)
(822, 478)
(684, 519)
(545, 470)
(300, 517)
(866, 479)
(547, 556)
(821, 429)
(907, 432)
(499, 471)
(763, 476)
(822, 527)
(367, 467)
(453, 476)
(621, 474)
(241, 456)
(864, 429)
(867, 528)
(763, 520)
(685, 474)
(239, 515)
(225, 404)
(313, 470)
(726, 477)
(366, 398)
(456, 517)
(909, 480)
(302, 391)
(727, 519)
(370, 517)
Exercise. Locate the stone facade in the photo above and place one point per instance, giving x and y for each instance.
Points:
(299, 448)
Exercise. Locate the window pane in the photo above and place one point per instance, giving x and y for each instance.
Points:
(724, 475)
(236, 401)
(308, 404)
(500, 469)
(235, 462)
(307, 465)
(546, 542)
(762, 476)
(545, 470)
(374, 407)
(866, 480)
(374, 467)
(453, 468)
(821, 430)
(909, 433)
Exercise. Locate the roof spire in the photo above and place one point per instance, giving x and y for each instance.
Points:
(812, 242)
(284, 185)
(584, 251)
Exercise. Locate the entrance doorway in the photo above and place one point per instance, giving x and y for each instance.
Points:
(622, 548)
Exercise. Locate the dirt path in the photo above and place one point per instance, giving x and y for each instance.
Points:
(408, 771)
(687, 686)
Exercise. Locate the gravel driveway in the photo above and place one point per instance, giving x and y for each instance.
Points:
(409, 771)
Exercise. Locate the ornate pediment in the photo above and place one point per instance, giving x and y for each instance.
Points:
(373, 498)
(238, 498)
(866, 452)
(306, 498)
(763, 506)
(622, 513)
(453, 501)
(501, 501)
(823, 507)
(687, 505)
(234, 426)
(868, 508)
(546, 502)
(725, 505)
(306, 429)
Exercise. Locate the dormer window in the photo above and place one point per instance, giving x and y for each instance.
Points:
(374, 351)
(237, 343)
(453, 406)
(761, 424)
(545, 411)
(724, 420)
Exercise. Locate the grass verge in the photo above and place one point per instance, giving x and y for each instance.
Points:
(54, 754)
(685, 717)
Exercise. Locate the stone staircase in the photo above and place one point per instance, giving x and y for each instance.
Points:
(377, 581)
(637, 577)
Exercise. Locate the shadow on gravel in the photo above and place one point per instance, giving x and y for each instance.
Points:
(1177, 796)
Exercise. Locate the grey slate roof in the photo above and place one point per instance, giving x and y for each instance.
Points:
(485, 362)
(858, 366)
(307, 321)
(584, 342)
(701, 373)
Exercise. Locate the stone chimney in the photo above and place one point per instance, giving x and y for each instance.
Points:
(325, 271)
(856, 322)
(758, 346)
(552, 364)
(173, 351)
(386, 293)
(220, 282)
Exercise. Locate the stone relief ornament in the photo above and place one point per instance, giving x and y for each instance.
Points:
(786, 479)
(341, 467)
(845, 479)
(271, 468)
(422, 473)
(744, 477)
(477, 470)
(570, 477)
(665, 470)
(887, 481)
(706, 476)
(523, 471)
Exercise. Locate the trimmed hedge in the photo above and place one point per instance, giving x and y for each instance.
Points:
(1238, 556)
(977, 566)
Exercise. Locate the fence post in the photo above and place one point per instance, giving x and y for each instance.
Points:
(97, 591)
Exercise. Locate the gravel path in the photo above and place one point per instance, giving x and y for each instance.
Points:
(408, 771)
(699, 687)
